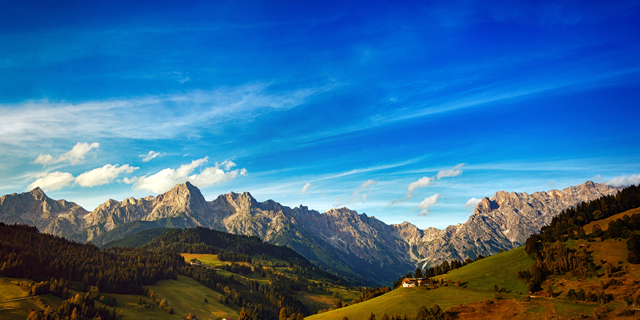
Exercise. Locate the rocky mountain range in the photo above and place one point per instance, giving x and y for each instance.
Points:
(356, 246)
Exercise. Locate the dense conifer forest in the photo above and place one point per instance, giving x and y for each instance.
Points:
(26, 253)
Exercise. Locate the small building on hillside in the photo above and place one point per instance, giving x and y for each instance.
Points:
(408, 283)
(412, 282)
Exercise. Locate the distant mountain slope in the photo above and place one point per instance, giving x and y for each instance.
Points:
(136, 240)
(36, 209)
(503, 221)
(356, 246)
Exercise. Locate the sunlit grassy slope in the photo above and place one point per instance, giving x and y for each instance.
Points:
(187, 295)
(604, 223)
(500, 269)
(406, 300)
(15, 303)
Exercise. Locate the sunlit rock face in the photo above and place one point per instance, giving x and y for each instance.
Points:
(339, 239)
(35, 208)
(503, 221)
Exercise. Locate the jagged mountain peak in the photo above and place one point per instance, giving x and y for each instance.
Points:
(184, 190)
(241, 196)
(38, 193)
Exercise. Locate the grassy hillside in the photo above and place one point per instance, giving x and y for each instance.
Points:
(314, 294)
(500, 269)
(184, 295)
(406, 300)
(604, 223)
(15, 303)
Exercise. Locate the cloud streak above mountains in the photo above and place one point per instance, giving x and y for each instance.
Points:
(149, 117)
(167, 178)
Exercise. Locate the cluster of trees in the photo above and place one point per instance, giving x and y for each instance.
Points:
(425, 313)
(233, 248)
(569, 223)
(53, 286)
(279, 292)
(442, 268)
(581, 295)
(292, 316)
(554, 259)
(259, 301)
(80, 306)
(557, 259)
(237, 268)
(370, 293)
(232, 256)
(26, 253)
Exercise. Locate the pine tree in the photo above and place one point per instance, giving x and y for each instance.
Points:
(283, 314)
(244, 315)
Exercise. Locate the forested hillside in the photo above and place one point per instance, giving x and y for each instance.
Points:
(26, 253)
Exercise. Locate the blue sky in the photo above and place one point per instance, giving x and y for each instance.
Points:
(406, 111)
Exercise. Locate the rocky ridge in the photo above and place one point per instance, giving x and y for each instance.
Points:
(356, 245)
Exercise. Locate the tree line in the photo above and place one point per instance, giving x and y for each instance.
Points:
(26, 253)
(553, 258)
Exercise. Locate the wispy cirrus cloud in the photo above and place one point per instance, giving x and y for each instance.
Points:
(453, 172)
(150, 156)
(362, 192)
(74, 156)
(167, 178)
(149, 117)
(305, 188)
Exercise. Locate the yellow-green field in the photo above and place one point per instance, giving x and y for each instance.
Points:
(15, 303)
(406, 300)
(185, 295)
(500, 269)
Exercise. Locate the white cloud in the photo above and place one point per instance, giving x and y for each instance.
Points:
(367, 183)
(150, 156)
(453, 172)
(305, 188)
(426, 181)
(421, 183)
(103, 175)
(472, 203)
(167, 178)
(74, 156)
(427, 203)
(355, 197)
(50, 181)
(624, 181)
(44, 159)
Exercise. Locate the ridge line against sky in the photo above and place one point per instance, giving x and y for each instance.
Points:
(321, 104)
